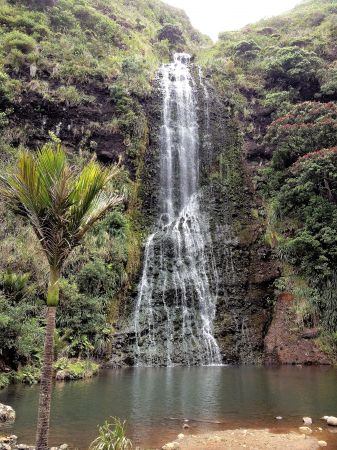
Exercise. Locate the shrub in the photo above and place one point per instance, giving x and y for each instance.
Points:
(328, 81)
(4, 380)
(68, 369)
(307, 127)
(27, 375)
(292, 66)
(246, 49)
(172, 33)
(111, 437)
(16, 40)
(309, 197)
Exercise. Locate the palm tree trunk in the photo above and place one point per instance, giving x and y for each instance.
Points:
(43, 418)
(46, 383)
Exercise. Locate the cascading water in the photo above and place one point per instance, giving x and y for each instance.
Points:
(176, 302)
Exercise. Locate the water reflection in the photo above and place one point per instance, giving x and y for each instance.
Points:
(150, 398)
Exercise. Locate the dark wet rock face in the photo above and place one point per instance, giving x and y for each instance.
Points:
(239, 267)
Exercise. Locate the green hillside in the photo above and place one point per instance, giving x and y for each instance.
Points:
(280, 75)
(78, 72)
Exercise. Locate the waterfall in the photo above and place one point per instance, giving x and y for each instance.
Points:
(176, 301)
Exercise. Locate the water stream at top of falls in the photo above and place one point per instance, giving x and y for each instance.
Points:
(177, 293)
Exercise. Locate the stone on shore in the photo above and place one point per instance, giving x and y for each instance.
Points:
(331, 420)
(5, 447)
(307, 420)
(171, 446)
(7, 413)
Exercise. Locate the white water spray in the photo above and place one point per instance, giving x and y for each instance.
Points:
(176, 303)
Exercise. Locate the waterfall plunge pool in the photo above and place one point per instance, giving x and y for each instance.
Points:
(155, 402)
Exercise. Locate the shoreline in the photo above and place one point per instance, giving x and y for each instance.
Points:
(254, 438)
(251, 439)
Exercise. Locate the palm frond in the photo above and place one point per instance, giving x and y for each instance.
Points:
(60, 205)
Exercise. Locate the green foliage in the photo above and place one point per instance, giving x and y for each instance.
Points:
(111, 437)
(307, 127)
(172, 33)
(280, 76)
(28, 375)
(19, 41)
(328, 81)
(292, 67)
(21, 335)
(60, 205)
(68, 369)
(328, 343)
(309, 196)
(4, 380)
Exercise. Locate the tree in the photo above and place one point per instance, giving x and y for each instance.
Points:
(61, 206)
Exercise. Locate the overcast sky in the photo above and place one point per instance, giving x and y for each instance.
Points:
(213, 16)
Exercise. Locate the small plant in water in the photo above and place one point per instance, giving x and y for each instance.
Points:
(112, 436)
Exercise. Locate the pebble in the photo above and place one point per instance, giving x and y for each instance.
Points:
(306, 430)
(278, 417)
(181, 436)
(322, 444)
(307, 420)
(185, 426)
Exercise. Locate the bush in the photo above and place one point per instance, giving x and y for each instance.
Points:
(246, 49)
(16, 40)
(4, 380)
(292, 67)
(27, 375)
(172, 33)
(309, 197)
(111, 437)
(68, 369)
(307, 127)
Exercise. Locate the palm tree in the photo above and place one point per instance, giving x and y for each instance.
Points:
(61, 205)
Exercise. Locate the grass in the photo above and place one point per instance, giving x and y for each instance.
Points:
(111, 437)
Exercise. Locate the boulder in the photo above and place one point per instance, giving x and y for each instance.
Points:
(5, 447)
(307, 420)
(322, 444)
(7, 413)
(331, 420)
(9, 439)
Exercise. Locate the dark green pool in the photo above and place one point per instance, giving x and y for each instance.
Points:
(155, 401)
